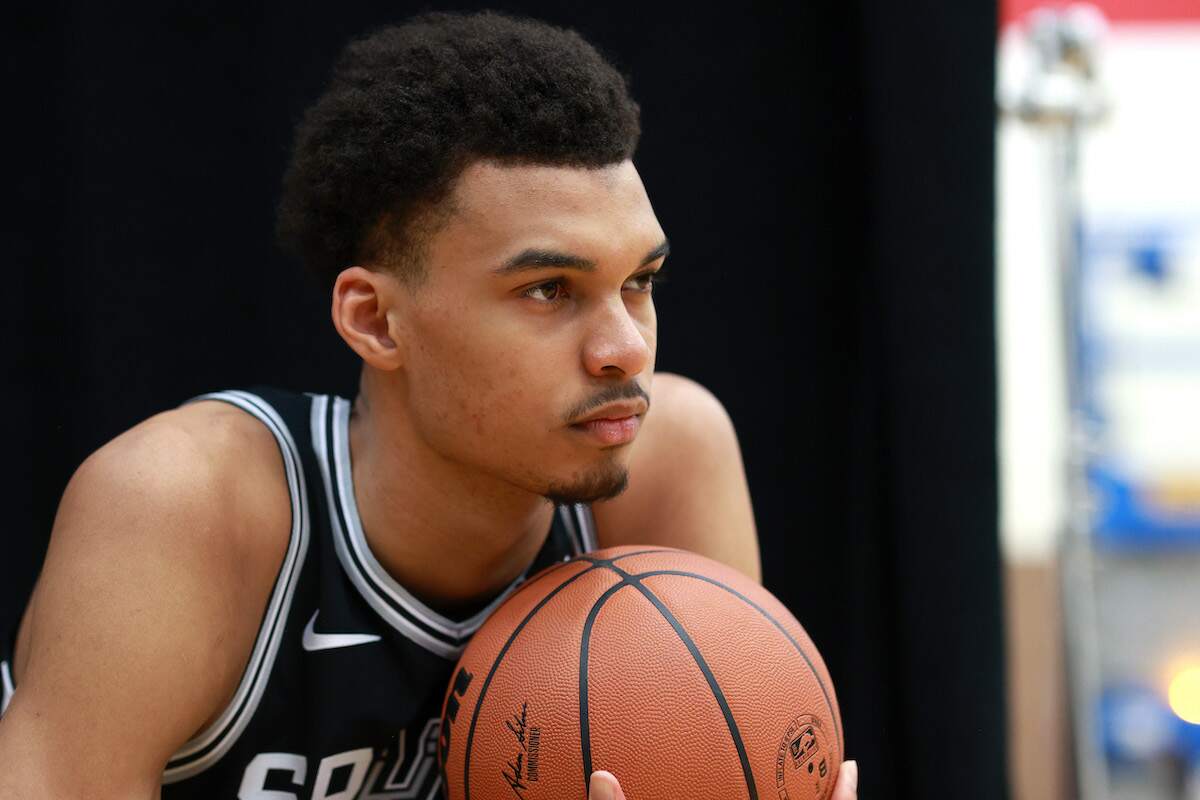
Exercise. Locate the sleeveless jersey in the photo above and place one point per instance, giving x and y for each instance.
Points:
(342, 694)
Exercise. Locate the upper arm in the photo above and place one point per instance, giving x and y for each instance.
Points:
(133, 637)
(687, 484)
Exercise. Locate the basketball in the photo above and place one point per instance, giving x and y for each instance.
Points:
(680, 675)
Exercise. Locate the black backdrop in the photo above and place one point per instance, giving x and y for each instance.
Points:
(825, 174)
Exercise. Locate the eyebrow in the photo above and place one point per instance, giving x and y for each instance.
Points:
(533, 258)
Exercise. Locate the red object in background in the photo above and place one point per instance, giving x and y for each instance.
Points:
(1116, 11)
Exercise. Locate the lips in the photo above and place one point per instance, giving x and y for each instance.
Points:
(614, 411)
(611, 431)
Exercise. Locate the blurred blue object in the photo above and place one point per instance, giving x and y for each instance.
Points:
(1137, 725)
(1188, 735)
(1150, 261)
(1128, 516)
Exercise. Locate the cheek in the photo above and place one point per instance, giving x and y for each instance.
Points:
(474, 380)
(649, 327)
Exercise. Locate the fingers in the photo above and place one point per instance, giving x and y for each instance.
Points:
(847, 784)
(603, 786)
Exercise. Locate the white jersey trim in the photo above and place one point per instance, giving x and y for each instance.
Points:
(399, 608)
(580, 525)
(6, 678)
(587, 527)
(201, 752)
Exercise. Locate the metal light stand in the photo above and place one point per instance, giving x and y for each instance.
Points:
(1061, 98)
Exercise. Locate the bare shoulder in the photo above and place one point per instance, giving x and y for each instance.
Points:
(687, 485)
(687, 428)
(209, 467)
(162, 555)
(242, 459)
(684, 407)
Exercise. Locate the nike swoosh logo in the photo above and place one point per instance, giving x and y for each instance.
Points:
(328, 641)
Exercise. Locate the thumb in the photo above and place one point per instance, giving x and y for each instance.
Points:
(603, 786)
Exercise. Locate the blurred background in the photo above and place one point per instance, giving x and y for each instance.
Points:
(941, 262)
(1098, 293)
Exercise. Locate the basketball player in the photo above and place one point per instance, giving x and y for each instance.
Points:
(262, 594)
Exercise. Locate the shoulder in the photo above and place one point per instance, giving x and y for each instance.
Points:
(206, 439)
(192, 495)
(686, 413)
(162, 555)
(198, 489)
(206, 462)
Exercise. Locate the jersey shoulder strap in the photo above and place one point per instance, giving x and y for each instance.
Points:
(210, 744)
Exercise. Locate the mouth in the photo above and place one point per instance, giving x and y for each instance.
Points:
(610, 431)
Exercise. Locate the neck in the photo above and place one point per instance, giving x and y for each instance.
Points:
(452, 536)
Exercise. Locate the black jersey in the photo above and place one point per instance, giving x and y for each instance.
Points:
(342, 694)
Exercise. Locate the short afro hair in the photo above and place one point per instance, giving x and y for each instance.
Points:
(410, 106)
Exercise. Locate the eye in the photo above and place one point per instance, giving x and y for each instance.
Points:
(647, 280)
(554, 292)
(548, 293)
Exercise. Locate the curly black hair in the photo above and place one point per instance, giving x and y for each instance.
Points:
(410, 106)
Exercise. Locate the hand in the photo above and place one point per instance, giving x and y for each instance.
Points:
(847, 784)
(603, 786)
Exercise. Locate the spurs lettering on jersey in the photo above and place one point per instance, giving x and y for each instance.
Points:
(362, 774)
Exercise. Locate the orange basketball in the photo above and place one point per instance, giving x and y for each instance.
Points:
(679, 675)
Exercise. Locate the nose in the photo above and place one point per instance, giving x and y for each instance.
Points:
(618, 343)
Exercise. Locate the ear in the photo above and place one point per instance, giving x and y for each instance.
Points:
(365, 316)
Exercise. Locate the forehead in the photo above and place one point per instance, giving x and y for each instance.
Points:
(498, 208)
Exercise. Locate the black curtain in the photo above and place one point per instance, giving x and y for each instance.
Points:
(824, 172)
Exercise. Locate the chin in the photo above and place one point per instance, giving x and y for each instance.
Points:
(603, 483)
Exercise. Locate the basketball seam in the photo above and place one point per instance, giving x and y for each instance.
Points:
(718, 695)
(608, 562)
(824, 690)
(714, 687)
(585, 730)
(635, 580)
(492, 673)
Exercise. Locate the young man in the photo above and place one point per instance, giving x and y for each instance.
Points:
(262, 594)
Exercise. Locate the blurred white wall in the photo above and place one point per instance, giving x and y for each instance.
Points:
(1140, 167)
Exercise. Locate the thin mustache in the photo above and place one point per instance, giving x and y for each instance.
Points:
(628, 391)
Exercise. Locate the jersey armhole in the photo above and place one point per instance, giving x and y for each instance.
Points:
(207, 747)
